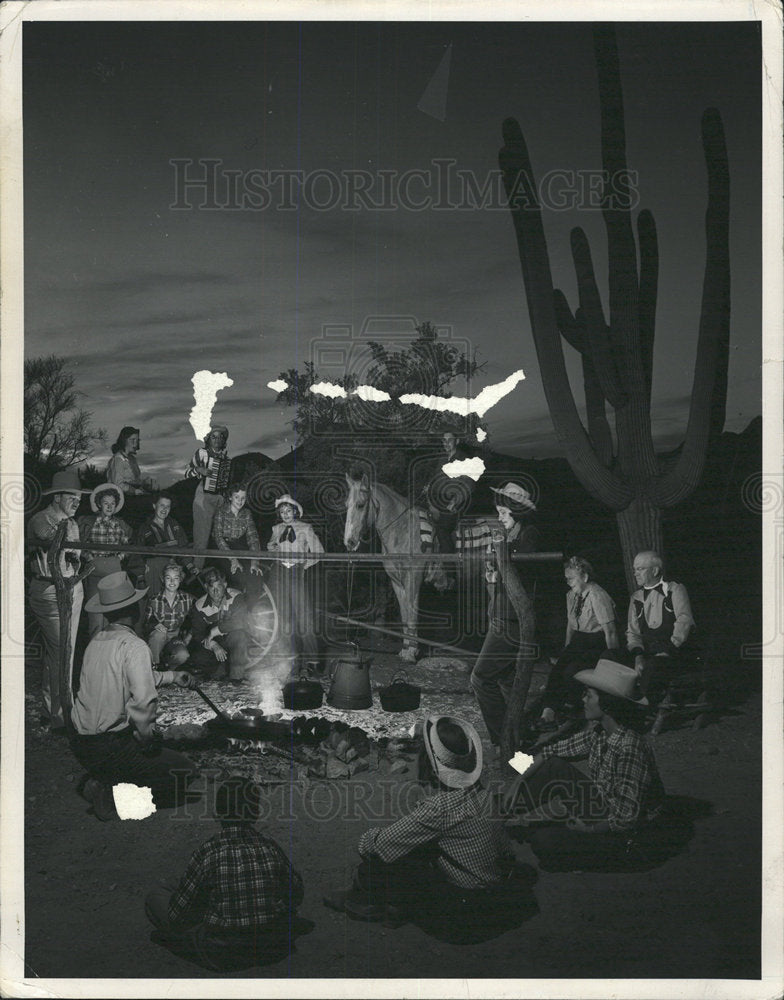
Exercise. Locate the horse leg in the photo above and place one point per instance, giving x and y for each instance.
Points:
(408, 616)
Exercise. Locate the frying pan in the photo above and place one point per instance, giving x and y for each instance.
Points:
(253, 726)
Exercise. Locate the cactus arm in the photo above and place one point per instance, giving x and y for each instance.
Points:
(709, 388)
(527, 217)
(573, 331)
(649, 282)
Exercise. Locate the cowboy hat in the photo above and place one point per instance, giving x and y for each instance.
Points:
(289, 500)
(453, 769)
(103, 489)
(614, 679)
(115, 591)
(66, 481)
(515, 493)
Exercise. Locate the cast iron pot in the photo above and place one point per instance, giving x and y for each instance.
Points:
(400, 696)
(302, 694)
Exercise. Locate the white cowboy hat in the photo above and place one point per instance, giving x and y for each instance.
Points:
(453, 769)
(289, 500)
(102, 489)
(613, 678)
(65, 481)
(515, 493)
(115, 591)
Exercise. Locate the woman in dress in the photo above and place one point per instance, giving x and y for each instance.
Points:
(503, 648)
(292, 584)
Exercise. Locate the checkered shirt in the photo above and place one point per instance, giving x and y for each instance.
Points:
(159, 611)
(624, 769)
(471, 845)
(227, 526)
(106, 531)
(237, 879)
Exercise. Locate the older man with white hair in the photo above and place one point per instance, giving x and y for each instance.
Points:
(660, 618)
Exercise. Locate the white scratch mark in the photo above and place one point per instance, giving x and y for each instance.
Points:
(371, 394)
(471, 467)
(521, 762)
(329, 389)
(481, 435)
(480, 404)
(206, 386)
(133, 801)
(278, 385)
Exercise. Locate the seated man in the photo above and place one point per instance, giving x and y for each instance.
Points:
(234, 905)
(114, 711)
(660, 619)
(218, 623)
(574, 821)
(447, 864)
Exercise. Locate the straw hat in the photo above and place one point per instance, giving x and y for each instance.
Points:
(96, 493)
(515, 494)
(455, 770)
(289, 500)
(613, 678)
(115, 591)
(66, 481)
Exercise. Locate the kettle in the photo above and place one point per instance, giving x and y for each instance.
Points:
(350, 687)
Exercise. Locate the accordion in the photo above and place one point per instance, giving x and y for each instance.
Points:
(217, 478)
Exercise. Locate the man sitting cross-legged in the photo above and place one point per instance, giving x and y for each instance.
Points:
(235, 905)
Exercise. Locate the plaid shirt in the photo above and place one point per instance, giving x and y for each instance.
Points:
(624, 769)
(471, 846)
(41, 530)
(228, 526)
(237, 879)
(104, 531)
(159, 611)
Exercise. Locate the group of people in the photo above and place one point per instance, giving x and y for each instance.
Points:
(447, 865)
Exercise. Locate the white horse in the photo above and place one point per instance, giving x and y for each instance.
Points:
(400, 527)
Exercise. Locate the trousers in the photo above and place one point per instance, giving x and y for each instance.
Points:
(204, 507)
(582, 653)
(43, 604)
(236, 645)
(493, 675)
(117, 757)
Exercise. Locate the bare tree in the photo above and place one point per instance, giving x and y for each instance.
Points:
(57, 431)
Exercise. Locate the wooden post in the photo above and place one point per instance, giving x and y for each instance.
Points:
(64, 587)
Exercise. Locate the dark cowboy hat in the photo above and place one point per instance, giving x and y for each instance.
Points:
(453, 769)
(115, 591)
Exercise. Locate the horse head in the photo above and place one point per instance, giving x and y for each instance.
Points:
(359, 510)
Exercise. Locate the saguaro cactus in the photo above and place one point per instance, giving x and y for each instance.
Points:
(617, 357)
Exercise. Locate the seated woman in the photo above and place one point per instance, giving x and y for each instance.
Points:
(160, 531)
(233, 528)
(291, 580)
(104, 528)
(166, 612)
(590, 628)
(574, 821)
(447, 864)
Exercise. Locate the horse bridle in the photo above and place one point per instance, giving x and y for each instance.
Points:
(372, 499)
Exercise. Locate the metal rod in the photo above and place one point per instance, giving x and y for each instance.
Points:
(323, 557)
(404, 635)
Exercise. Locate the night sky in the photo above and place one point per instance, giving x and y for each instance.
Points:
(139, 295)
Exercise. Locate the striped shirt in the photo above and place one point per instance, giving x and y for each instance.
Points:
(624, 769)
(237, 879)
(471, 846)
